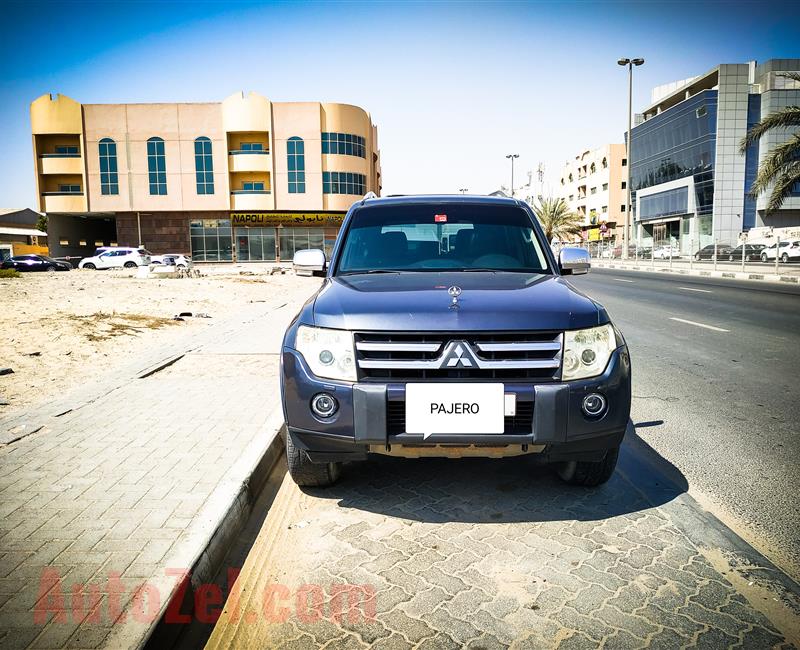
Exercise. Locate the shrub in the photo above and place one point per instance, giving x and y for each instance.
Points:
(10, 273)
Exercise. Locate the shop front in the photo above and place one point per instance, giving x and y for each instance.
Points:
(262, 236)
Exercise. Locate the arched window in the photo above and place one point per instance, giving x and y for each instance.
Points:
(605, 163)
(109, 178)
(296, 162)
(203, 165)
(157, 166)
(592, 169)
(570, 178)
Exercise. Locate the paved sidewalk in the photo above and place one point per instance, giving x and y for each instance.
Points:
(119, 481)
(438, 554)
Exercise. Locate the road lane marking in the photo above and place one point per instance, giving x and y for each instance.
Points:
(621, 280)
(691, 322)
(698, 290)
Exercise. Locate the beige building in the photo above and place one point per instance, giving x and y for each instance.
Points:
(593, 185)
(246, 179)
(20, 234)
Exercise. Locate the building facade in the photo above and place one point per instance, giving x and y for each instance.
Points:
(593, 185)
(690, 184)
(246, 179)
(20, 233)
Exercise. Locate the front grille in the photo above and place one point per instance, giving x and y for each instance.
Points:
(519, 424)
(520, 356)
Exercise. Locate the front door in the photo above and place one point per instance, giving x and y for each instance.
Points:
(659, 234)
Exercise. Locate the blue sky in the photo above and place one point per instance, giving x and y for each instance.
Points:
(452, 86)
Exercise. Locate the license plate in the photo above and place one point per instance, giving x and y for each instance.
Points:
(455, 408)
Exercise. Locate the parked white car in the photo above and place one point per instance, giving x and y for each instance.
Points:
(789, 251)
(115, 258)
(173, 259)
(665, 252)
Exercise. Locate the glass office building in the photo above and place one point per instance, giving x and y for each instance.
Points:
(676, 145)
(689, 179)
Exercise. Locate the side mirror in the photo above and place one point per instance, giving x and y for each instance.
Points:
(309, 261)
(574, 261)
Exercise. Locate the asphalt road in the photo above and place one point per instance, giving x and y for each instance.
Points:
(715, 392)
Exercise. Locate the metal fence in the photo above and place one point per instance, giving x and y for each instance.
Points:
(707, 253)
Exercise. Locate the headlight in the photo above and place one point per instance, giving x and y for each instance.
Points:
(328, 353)
(586, 352)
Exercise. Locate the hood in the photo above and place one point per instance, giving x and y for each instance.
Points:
(420, 302)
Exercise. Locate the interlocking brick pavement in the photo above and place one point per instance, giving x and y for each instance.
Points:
(489, 554)
(132, 477)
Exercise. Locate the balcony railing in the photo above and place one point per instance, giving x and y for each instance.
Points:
(237, 152)
(59, 193)
(251, 191)
(60, 155)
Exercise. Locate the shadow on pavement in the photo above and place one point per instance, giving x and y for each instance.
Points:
(503, 490)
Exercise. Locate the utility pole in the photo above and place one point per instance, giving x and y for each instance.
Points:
(625, 232)
(464, 190)
(512, 156)
(540, 175)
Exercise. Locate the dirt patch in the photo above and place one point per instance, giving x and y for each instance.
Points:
(58, 329)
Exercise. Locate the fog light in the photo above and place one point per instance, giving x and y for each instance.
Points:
(594, 405)
(326, 357)
(324, 405)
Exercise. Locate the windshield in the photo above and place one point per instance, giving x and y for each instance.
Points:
(450, 237)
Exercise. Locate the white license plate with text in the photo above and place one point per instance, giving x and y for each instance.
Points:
(455, 408)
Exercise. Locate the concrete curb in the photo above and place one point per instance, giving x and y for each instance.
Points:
(220, 521)
(734, 275)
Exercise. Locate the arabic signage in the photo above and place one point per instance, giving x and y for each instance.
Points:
(259, 219)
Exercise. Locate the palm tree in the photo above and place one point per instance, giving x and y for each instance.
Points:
(556, 219)
(781, 167)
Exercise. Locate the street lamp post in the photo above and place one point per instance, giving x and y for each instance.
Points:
(464, 190)
(512, 156)
(625, 234)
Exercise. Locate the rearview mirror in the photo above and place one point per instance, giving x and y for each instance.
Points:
(309, 261)
(574, 261)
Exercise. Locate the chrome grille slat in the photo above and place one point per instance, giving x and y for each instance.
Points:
(369, 346)
(434, 364)
(533, 346)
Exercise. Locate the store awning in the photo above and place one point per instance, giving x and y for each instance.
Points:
(674, 217)
(28, 232)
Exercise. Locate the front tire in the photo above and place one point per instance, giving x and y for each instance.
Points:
(51, 269)
(130, 265)
(785, 258)
(89, 266)
(304, 472)
(587, 473)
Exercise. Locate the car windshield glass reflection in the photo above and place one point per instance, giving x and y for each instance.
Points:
(446, 238)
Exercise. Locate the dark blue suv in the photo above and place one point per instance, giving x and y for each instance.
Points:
(445, 327)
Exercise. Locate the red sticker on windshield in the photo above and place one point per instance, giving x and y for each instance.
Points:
(440, 218)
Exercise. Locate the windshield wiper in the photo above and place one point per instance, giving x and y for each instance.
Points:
(479, 270)
(367, 271)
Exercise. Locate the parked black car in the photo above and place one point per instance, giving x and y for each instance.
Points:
(35, 263)
(751, 252)
(707, 252)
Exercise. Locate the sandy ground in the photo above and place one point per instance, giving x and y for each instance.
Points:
(59, 329)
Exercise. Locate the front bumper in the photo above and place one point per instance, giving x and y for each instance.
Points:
(363, 417)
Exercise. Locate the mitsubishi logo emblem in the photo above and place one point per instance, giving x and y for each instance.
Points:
(458, 354)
